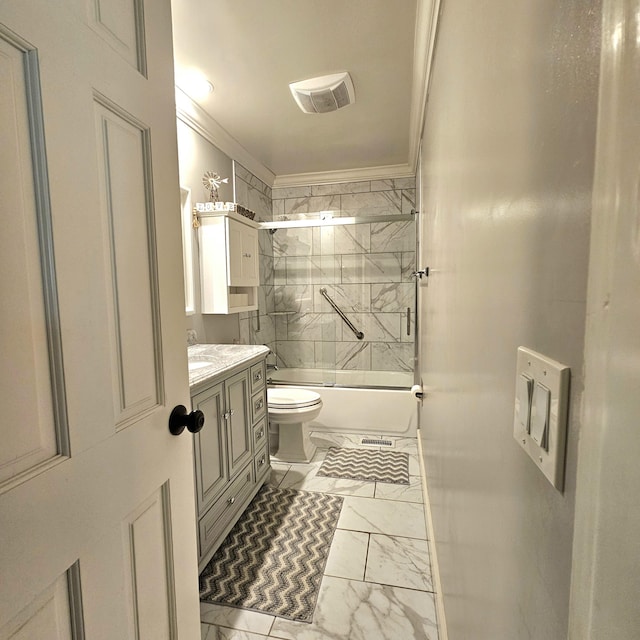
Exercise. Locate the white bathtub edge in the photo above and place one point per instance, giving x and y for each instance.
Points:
(352, 410)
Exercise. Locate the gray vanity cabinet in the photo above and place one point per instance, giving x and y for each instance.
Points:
(237, 396)
(230, 456)
(210, 447)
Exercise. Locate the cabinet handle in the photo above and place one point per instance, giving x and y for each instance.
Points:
(259, 404)
(246, 255)
(258, 376)
(261, 433)
(263, 460)
(231, 500)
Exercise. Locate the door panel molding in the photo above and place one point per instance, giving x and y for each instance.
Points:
(27, 189)
(149, 567)
(51, 614)
(76, 607)
(123, 31)
(124, 149)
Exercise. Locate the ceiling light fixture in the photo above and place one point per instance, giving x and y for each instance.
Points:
(324, 93)
(195, 84)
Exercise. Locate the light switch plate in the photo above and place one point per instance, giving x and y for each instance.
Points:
(555, 377)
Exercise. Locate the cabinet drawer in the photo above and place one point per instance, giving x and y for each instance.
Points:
(257, 377)
(260, 434)
(258, 406)
(261, 462)
(225, 509)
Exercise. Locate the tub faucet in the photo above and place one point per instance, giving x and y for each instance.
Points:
(273, 367)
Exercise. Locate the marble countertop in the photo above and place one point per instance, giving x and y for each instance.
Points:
(209, 360)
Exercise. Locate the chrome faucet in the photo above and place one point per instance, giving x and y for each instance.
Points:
(273, 367)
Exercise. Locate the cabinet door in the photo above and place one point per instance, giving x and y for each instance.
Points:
(250, 254)
(242, 259)
(239, 423)
(234, 253)
(209, 447)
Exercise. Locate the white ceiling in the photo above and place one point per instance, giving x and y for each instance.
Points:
(252, 49)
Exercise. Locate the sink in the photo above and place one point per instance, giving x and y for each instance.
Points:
(194, 365)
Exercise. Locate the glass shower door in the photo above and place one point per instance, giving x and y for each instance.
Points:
(344, 300)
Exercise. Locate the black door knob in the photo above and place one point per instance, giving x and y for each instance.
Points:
(181, 418)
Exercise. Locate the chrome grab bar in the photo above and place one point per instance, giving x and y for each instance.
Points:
(338, 310)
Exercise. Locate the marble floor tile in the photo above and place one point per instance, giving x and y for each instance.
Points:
(298, 470)
(399, 562)
(278, 472)
(305, 479)
(348, 555)
(238, 619)
(319, 455)
(345, 440)
(352, 610)
(318, 459)
(408, 445)
(414, 465)
(389, 517)
(224, 633)
(377, 582)
(401, 492)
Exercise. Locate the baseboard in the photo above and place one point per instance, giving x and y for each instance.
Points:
(433, 554)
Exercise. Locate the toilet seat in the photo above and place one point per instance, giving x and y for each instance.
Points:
(289, 398)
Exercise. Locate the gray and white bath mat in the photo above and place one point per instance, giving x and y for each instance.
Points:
(273, 559)
(366, 464)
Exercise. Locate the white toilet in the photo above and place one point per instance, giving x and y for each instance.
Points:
(290, 411)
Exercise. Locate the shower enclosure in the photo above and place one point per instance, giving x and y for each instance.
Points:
(341, 302)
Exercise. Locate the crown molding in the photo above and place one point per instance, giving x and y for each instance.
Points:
(346, 175)
(427, 14)
(194, 116)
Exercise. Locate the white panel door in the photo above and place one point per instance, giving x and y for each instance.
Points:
(97, 515)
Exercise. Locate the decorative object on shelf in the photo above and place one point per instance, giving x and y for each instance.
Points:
(211, 182)
(247, 213)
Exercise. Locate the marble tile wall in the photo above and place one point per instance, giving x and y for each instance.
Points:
(252, 193)
(258, 327)
(366, 269)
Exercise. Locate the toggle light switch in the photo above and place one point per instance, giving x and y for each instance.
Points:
(542, 389)
(540, 415)
(523, 393)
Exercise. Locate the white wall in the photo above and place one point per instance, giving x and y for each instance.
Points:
(507, 161)
(197, 155)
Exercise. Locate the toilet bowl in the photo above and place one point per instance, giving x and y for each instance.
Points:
(290, 411)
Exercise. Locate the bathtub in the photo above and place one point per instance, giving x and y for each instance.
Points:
(360, 402)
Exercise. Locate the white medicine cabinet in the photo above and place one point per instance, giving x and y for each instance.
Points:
(229, 263)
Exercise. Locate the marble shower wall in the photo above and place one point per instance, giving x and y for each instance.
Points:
(258, 327)
(366, 269)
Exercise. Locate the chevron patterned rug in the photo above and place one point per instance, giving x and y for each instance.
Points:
(273, 559)
(366, 464)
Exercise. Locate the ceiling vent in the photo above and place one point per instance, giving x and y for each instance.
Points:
(324, 94)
